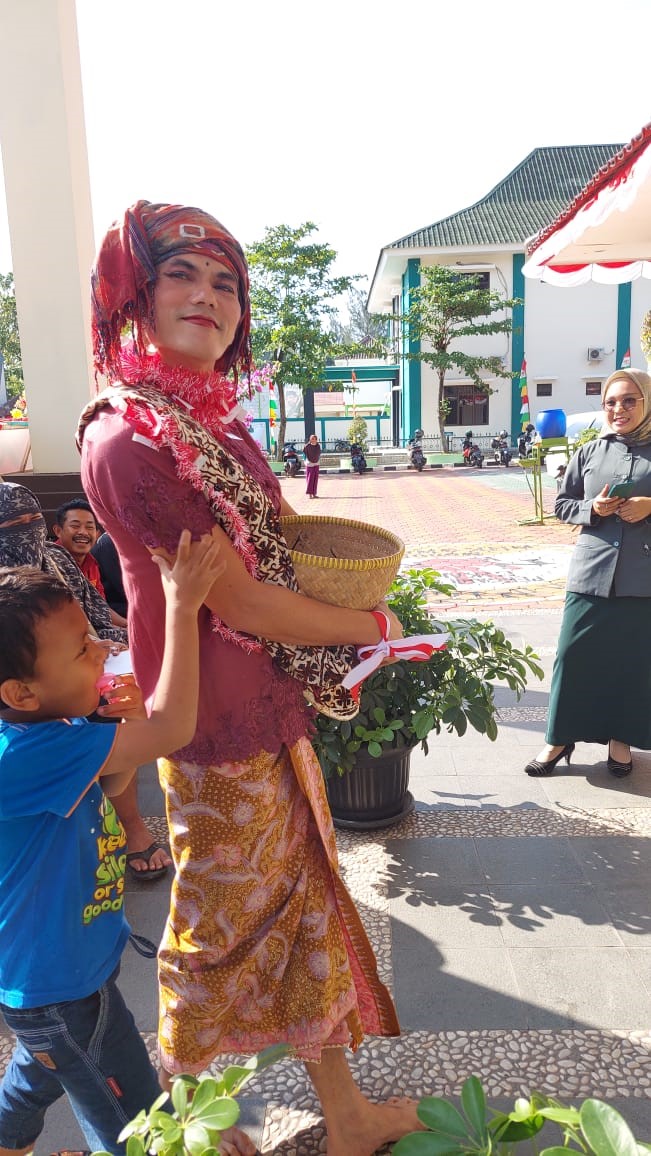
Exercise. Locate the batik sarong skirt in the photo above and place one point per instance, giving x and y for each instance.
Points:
(263, 944)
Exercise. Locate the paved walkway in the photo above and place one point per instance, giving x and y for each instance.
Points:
(509, 914)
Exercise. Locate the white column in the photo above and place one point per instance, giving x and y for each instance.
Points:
(45, 163)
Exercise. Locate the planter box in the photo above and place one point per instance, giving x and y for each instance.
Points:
(374, 794)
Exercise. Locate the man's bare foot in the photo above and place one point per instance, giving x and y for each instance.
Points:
(235, 1142)
(374, 1126)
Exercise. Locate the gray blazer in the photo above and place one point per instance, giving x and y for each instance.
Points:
(611, 556)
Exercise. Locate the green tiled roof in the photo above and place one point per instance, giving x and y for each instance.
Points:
(525, 201)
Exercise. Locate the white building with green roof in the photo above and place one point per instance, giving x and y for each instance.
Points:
(572, 339)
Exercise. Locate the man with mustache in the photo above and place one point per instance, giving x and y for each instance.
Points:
(76, 530)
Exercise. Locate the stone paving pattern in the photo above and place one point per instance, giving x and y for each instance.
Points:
(509, 915)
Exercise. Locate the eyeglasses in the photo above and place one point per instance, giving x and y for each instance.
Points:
(625, 402)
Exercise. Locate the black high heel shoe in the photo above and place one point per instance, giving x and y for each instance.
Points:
(538, 768)
(619, 770)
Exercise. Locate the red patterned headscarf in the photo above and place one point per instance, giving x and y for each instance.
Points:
(126, 269)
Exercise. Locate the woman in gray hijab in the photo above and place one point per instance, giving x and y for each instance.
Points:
(601, 685)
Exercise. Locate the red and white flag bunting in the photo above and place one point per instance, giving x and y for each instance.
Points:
(418, 648)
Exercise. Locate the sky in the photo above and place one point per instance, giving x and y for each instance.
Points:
(369, 117)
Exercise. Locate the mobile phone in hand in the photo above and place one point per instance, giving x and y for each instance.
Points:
(620, 489)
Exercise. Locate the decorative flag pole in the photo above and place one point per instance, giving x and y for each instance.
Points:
(525, 416)
(273, 416)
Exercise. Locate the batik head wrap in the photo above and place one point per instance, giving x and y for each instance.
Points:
(125, 272)
(639, 380)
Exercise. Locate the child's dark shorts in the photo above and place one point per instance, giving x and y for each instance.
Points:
(88, 1048)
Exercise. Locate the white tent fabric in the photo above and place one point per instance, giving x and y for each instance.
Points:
(605, 234)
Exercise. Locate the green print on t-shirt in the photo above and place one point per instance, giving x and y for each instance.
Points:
(109, 876)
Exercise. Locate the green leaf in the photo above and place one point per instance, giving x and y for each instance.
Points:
(162, 1099)
(235, 1077)
(441, 1116)
(138, 1122)
(374, 749)
(426, 1144)
(196, 1138)
(179, 1097)
(171, 1133)
(512, 1131)
(269, 1056)
(135, 1146)
(204, 1094)
(605, 1130)
(162, 1122)
(568, 1116)
(473, 1102)
(219, 1115)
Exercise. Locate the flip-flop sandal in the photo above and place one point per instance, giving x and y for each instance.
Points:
(152, 873)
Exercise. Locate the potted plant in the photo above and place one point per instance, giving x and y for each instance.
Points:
(204, 1107)
(479, 1130)
(366, 761)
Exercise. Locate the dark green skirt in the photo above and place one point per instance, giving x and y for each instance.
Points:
(601, 685)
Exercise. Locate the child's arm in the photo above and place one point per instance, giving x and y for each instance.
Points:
(173, 719)
(124, 703)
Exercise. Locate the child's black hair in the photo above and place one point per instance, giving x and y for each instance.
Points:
(26, 595)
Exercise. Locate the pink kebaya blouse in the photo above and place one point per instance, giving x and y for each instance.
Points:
(246, 704)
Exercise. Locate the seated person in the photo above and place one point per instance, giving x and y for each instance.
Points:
(75, 528)
(108, 560)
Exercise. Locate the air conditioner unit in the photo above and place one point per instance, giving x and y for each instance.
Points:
(595, 354)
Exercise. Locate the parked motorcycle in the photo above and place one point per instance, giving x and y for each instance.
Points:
(472, 455)
(416, 456)
(342, 446)
(357, 459)
(501, 450)
(526, 441)
(291, 459)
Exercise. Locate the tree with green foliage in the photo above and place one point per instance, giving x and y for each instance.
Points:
(367, 332)
(293, 295)
(447, 307)
(358, 433)
(9, 337)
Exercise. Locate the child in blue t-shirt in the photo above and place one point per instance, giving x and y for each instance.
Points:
(62, 848)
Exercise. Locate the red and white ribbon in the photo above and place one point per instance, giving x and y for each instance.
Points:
(417, 648)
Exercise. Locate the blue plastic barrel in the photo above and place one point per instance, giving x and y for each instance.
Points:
(551, 423)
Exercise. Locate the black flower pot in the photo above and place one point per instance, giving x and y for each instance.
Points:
(374, 794)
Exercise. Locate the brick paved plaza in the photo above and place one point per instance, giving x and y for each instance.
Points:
(509, 915)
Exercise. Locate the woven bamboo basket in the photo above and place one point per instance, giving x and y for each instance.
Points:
(340, 561)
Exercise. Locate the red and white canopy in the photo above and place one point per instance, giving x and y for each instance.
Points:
(605, 233)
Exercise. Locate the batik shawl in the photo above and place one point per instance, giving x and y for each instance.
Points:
(240, 506)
